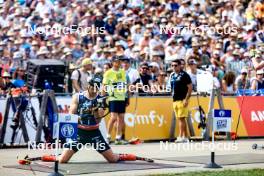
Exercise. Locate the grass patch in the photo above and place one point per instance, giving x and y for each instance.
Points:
(249, 172)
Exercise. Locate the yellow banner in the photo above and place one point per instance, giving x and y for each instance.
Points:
(152, 118)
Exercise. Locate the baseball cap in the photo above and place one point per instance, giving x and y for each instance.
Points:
(125, 59)
(115, 59)
(144, 64)
(260, 72)
(244, 70)
(6, 75)
(86, 61)
(154, 64)
(216, 52)
(192, 62)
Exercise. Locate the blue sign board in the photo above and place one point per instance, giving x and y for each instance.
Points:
(222, 120)
(66, 127)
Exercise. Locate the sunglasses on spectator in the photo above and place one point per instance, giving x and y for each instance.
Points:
(162, 75)
(174, 65)
(145, 68)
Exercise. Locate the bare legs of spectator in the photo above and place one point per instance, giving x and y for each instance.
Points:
(111, 123)
(182, 130)
(120, 125)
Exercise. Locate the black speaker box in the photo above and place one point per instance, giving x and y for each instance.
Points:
(51, 70)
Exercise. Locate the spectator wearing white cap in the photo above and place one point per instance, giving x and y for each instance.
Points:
(43, 7)
(154, 70)
(181, 49)
(5, 82)
(97, 54)
(136, 34)
(144, 42)
(242, 81)
(184, 8)
(159, 87)
(193, 71)
(238, 18)
(228, 56)
(42, 53)
(236, 64)
(17, 60)
(170, 50)
(128, 51)
(227, 12)
(156, 45)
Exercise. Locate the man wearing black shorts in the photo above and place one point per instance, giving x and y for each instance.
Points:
(115, 84)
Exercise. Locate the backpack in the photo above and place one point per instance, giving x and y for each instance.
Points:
(79, 78)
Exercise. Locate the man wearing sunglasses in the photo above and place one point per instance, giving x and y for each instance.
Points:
(181, 88)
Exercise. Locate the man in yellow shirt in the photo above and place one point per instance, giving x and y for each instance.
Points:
(115, 84)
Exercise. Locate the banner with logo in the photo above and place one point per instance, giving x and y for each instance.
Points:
(222, 120)
(152, 119)
(252, 113)
(65, 126)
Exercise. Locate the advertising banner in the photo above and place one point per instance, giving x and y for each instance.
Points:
(252, 112)
(153, 116)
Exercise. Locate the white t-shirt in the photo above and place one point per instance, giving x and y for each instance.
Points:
(194, 77)
(183, 10)
(153, 43)
(133, 75)
(83, 78)
(44, 8)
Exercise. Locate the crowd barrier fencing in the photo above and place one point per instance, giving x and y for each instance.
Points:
(154, 116)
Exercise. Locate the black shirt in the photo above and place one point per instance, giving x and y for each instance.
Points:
(179, 84)
(144, 80)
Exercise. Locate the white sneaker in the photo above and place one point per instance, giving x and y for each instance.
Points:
(185, 140)
(179, 140)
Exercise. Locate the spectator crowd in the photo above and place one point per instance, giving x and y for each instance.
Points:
(219, 36)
